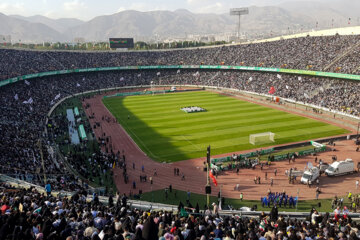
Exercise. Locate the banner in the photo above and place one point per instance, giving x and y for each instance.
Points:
(241, 68)
(306, 152)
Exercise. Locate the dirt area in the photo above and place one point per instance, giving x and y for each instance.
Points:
(195, 177)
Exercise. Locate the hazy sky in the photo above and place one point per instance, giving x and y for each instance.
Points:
(87, 9)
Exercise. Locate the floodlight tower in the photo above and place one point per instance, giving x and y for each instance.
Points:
(239, 12)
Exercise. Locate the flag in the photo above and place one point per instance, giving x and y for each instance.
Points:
(83, 78)
(196, 74)
(57, 97)
(321, 89)
(16, 97)
(305, 95)
(121, 79)
(309, 165)
(178, 71)
(27, 83)
(272, 90)
(29, 101)
(77, 84)
(213, 178)
(299, 78)
(114, 165)
(287, 87)
(158, 74)
(183, 213)
(262, 226)
(139, 75)
(278, 76)
(52, 102)
(250, 79)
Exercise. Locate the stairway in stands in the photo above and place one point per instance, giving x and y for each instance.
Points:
(341, 56)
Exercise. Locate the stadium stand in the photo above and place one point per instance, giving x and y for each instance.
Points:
(314, 53)
(29, 214)
(25, 105)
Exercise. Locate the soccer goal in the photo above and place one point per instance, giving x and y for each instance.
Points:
(262, 138)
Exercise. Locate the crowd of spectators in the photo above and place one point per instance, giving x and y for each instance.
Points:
(313, 53)
(24, 105)
(28, 214)
(22, 123)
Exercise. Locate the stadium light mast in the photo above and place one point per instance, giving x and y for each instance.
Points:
(239, 12)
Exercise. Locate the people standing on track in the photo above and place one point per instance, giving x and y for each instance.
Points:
(275, 171)
(182, 177)
(271, 181)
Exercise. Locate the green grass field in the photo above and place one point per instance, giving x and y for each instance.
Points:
(165, 133)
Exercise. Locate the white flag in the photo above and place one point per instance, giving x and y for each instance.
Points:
(139, 75)
(158, 73)
(196, 74)
(83, 78)
(16, 97)
(278, 76)
(299, 78)
(322, 89)
(27, 83)
(52, 102)
(121, 79)
(57, 97)
(178, 71)
(305, 95)
(30, 101)
(287, 87)
(77, 84)
(250, 79)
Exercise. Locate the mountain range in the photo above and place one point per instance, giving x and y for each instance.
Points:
(278, 19)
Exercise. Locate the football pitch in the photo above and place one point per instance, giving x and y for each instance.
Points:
(166, 133)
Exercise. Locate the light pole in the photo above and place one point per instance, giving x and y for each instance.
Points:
(207, 174)
(297, 201)
(239, 12)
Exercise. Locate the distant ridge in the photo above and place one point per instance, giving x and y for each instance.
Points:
(157, 25)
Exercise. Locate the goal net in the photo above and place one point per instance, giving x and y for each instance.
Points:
(262, 138)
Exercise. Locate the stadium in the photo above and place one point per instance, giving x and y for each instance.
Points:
(159, 126)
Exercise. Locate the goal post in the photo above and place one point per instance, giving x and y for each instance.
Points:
(262, 138)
